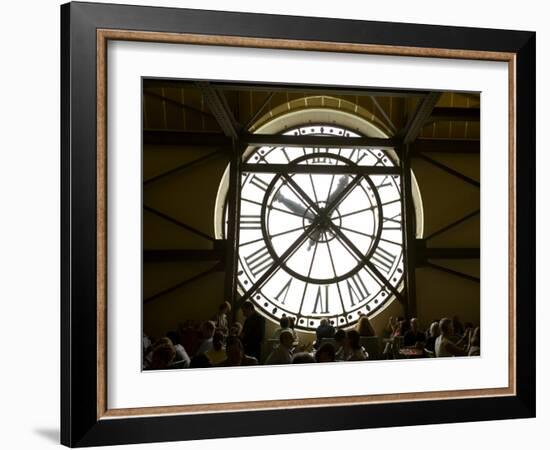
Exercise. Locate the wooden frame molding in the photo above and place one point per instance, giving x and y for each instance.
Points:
(103, 36)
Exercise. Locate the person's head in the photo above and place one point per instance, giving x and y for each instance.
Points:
(340, 336)
(173, 336)
(207, 329)
(200, 361)
(162, 341)
(224, 308)
(446, 326)
(326, 353)
(284, 322)
(235, 329)
(248, 308)
(353, 339)
(404, 326)
(234, 350)
(163, 355)
(364, 327)
(414, 324)
(434, 329)
(286, 339)
(217, 340)
(303, 358)
(292, 322)
(323, 323)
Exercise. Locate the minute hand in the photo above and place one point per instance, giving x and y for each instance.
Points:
(340, 192)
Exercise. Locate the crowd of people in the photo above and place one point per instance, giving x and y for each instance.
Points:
(219, 343)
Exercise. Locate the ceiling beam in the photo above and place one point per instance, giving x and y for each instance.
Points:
(425, 253)
(176, 137)
(418, 119)
(455, 114)
(320, 169)
(278, 140)
(178, 104)
(470, 146)
(300, 89)
(456, 273)
(217, 103)
(451, 253)
(185, 255)
(185, 138)
(449, 170)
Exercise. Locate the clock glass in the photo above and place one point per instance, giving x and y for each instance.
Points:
(320, 230)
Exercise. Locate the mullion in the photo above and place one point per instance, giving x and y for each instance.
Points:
(335, 202)
(335, 275)
(288, 252)
(369, 208)
(313, 186)
(365, 261)
(271, 236)
(369, 235)
(298, 190)
(332, 179)
(271, 207)
(308, 275)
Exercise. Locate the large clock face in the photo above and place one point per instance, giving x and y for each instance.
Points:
(320, 235)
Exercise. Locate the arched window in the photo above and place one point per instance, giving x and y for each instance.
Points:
(320, 230)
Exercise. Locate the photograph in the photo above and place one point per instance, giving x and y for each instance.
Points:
(283, 224)
(304, 224)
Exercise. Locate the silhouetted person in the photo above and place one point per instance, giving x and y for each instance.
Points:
(324, 330)
(253, 330)
(283, 353)
(236, 355)
(414, 335)
(325, 353)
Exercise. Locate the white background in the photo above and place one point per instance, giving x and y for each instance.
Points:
(29, 230)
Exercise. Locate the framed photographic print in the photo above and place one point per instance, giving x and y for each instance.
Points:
(278, 224)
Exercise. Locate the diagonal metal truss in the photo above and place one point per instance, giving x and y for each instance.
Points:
(178, 223)
(449, 170)
(215, 268)
(217, 103)
(182, 167)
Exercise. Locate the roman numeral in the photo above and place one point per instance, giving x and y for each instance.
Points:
(383, 259)
(259, 183)
(258, 261)
(357, 289)
(284, 292)
(393, 221)
(250, 222)
(321, 302)
(319, 159)
(383, 183)
(357, 155)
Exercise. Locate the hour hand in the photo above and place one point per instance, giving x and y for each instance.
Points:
(295, 207)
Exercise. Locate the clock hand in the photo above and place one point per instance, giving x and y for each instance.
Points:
(342, 183)
(299, 209)
(294, 206)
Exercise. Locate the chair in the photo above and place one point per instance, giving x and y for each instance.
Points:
(429, 353)
(396, 346)
(329, 340)
(272, 344)
(373, 346)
